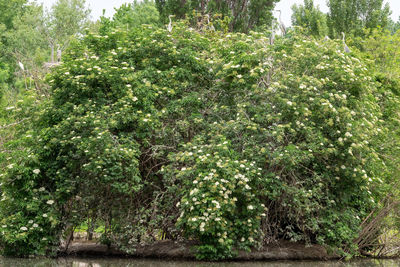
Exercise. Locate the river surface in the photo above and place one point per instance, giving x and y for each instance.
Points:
(111, 262)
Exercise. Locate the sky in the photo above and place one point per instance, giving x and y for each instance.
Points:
(97, 7)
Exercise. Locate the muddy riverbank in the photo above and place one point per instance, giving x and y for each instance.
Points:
(185, 250)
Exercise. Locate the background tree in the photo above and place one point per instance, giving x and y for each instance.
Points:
(26, 43)
(9, 9)
(137, 13)
(244, 15)
(352, 16)
(310, 17)
(66, 19)
(25, 34)
(3, 79)
(394, 26)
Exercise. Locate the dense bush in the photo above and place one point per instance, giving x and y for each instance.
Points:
(218, 138)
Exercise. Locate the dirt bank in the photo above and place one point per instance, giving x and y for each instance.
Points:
(282, 250)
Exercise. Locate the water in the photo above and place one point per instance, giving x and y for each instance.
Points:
(112, 262)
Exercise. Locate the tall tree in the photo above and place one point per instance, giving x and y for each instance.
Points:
(67, 18)
(394, 26)
(352, 16)
(137, 13)
(26, 42)
(244, 15)
(310, 17)
(10, 9)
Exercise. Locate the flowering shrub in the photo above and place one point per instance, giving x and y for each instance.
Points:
(218, 138)
(219, 206)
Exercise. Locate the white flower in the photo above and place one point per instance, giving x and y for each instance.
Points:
(23, 228)
(50, 202)
(194, 219)
(10, 166)
(30, 221)
(289, 103)
(36, 171)
(239, 76)
(41, 189)
(44, 215)
(347, 134)
(250, 207)
(194, 191)
(35, 225)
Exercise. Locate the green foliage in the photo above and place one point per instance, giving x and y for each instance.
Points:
(218, 202)
(22, 221)
(310, 18)
(67, 18)
(136, 14)
(352, 16)
(214, 137)
(26, 41)
(244, 15)
(9, 10)
(3, 79)
(394, 26)
(383, 49)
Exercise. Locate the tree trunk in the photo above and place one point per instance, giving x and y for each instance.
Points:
(52, 53)
(90, 229)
